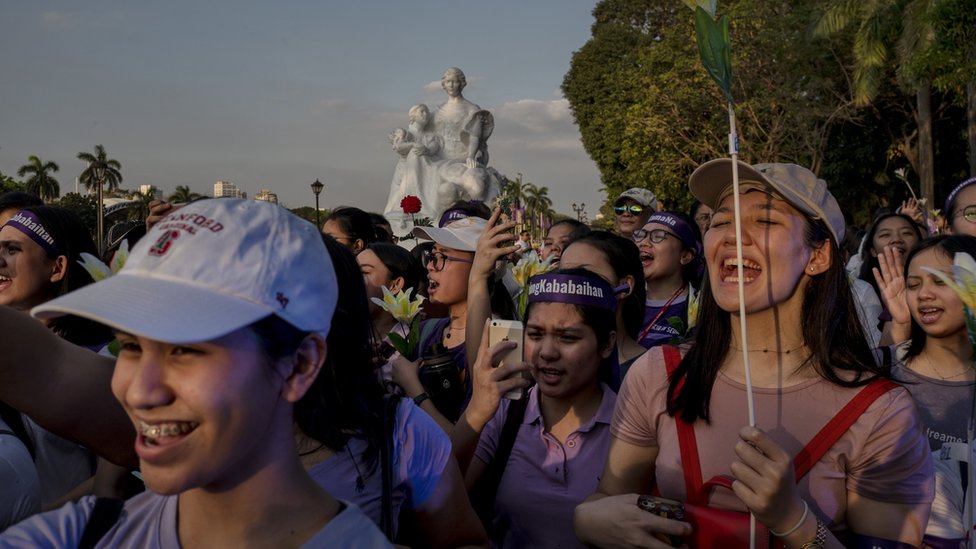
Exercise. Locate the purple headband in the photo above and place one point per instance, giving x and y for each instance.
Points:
(679, 228)
(572, 289)
(28, 223)
(450, 216)
(952, 196)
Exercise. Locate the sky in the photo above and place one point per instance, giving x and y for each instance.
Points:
(276, 95)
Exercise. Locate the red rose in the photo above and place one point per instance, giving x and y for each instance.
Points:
(410, 204)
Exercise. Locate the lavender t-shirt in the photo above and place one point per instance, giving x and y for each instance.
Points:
(148, 521)
(421, 451)
(544, 479)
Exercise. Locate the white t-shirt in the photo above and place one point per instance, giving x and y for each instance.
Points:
(148, 521)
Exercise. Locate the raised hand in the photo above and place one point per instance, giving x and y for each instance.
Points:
(890, 276)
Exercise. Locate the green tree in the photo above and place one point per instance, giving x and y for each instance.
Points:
(84, 206)
(537, 205)
(8, 183)
(886, 33)
(113, 175)
(41, 182)
(139, 210)
(183, 194)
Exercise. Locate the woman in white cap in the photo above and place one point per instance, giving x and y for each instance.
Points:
(680, 421)
(221, 312)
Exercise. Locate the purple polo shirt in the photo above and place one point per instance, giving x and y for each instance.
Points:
(545, 480)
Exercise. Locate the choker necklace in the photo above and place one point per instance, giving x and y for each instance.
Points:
(768, 350)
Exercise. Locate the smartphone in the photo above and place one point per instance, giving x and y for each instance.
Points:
(508, 330)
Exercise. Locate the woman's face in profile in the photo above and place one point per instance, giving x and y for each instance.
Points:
(26, 272)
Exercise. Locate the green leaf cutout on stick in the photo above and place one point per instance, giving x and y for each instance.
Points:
(715, 47)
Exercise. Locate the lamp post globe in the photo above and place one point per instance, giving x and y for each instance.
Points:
(317, 187)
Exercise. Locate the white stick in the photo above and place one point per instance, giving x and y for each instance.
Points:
(744, 339)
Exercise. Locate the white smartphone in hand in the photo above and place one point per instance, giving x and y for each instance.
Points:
(509, 330)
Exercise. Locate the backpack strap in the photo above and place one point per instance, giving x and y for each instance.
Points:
(487, 487)
(814, 450)
(427, 330)
(687, 443)
(838, 425)
(103, 516)
(15, 421)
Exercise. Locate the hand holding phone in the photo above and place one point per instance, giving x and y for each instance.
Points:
(509, 330)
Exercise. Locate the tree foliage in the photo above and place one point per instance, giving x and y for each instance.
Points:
(84, 206)
(41, 182)
(649, 114)
(113, 175)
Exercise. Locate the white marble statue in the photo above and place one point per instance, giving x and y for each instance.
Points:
(444, 159)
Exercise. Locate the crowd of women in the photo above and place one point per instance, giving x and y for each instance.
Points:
(238, 382)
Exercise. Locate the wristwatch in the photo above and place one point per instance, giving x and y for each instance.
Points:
(820, 540)
(420, 398)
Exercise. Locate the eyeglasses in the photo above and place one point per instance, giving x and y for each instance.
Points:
(439, 260)
(657, 235)
(635, 209)
(969, 212)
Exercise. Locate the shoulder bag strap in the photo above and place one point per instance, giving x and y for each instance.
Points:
(487, 487)
(687, 443)
(838, 425)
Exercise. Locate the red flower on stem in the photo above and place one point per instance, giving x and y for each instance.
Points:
(410, 204)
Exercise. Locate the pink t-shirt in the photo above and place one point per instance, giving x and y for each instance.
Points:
(884, 456)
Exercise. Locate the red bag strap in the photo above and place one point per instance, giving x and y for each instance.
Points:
(838, 425)
(829, 434)
(687, 443)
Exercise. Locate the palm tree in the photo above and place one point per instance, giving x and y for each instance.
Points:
(41, 182)
(537, 205)
(902, 30)
(183, 194)
(113, 177)
(139, 210)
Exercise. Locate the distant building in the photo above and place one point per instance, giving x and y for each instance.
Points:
(265, 195)
(227, 189)
(151, 191)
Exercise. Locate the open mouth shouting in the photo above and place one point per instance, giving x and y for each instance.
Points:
(929, 315)
(730, 270)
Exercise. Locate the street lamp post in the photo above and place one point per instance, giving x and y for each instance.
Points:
(317, 189)
(98, 172)
(579, 210)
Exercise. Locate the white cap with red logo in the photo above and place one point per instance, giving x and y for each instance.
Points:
(210, 268)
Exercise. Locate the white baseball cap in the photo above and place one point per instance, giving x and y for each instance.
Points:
(210, 268)
(461, 235)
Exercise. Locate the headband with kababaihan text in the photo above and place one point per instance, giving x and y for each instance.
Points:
(572, 289)
(28, 223)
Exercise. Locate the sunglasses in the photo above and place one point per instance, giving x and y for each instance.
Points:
(635, 209)
(657, 235)
(969, 212)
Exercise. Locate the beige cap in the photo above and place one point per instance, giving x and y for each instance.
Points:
(641, 196)
(796, 185)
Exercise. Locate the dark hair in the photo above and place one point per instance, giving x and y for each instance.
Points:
(624, 258)
(380, 223)
(345, 399)
(869, 261)
(602, 321)
(18, 200)
(399, 262)
(474, 208)
(950, 246)
(71, 238)
(354, 222)
(577, 229)
(418, 252)
(828, 320)
(694, 209)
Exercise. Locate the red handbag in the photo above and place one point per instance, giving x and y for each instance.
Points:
(726, 528)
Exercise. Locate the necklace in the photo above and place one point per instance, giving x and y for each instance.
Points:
(938, 373)
(447, 332)
(768, 350)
